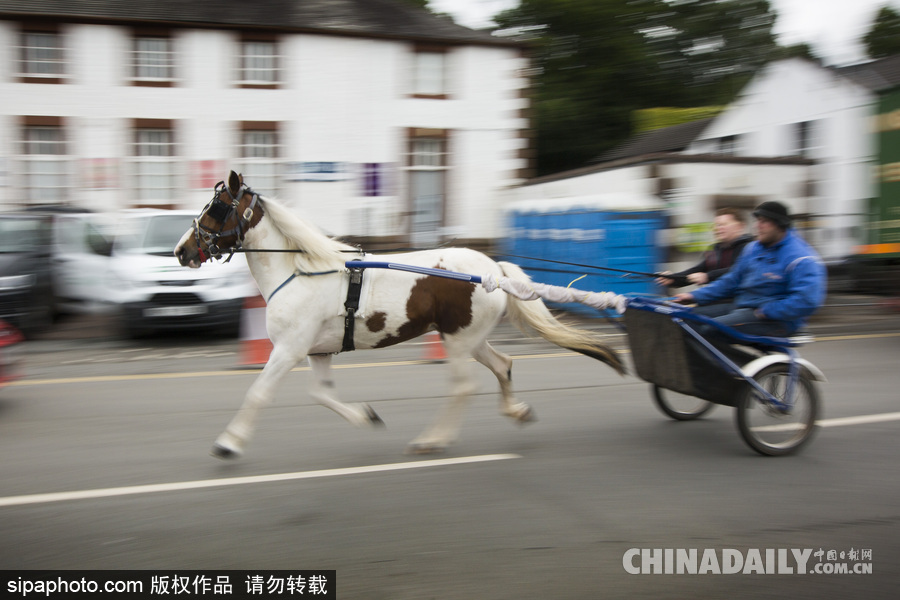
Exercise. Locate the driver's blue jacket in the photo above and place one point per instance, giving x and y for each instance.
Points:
(785, 281)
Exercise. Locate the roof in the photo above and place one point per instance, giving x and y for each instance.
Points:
(673, 158)
(363, 18)
(877, 75)
(668, 139)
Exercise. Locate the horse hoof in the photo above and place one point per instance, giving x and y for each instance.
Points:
(220, 451)
(372, 416)
(419, 449)
(527, 416)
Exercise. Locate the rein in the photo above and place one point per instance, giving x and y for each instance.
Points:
(220, 211)
(571, 264)
(396, 265)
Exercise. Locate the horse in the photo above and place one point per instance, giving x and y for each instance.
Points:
(301, 273)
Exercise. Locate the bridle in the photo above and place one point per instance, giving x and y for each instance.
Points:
(221, 212)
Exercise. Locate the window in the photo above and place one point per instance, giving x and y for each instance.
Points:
(45, 167)
(426, 166)
(258, 64)
(41, 57)
(428, 154)
(153, 155)
(429, 73)
(728, 145)
(804, 134)
(258, 156)
(152, 61)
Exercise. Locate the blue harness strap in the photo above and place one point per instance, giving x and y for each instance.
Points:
(363, 264)
(295, 274)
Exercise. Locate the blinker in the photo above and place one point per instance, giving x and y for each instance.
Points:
(218, 210)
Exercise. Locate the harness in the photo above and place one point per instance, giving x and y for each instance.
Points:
(351, 304)
(220, 211)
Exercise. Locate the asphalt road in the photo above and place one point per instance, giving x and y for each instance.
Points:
(105, 466)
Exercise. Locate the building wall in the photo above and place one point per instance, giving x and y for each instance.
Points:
(341, 99)
(765, 119)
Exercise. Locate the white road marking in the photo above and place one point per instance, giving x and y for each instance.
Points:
(210, 483)
(836, 422)
(859, 420)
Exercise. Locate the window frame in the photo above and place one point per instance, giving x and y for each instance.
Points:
(26, 64)
(437, 162)
(61, 160)
(242, 68)
(154, 165)
(729, 145)
(250, 163)
(418, 86)
(167, 55)
(805, 138)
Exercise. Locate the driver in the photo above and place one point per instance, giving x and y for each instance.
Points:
(776, 284)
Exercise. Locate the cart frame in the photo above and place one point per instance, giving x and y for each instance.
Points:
(757, 375)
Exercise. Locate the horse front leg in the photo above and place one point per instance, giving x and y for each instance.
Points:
(444, 431)
(323, 392)
(232, 441)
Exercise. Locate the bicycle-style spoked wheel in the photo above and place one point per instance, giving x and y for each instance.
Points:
(769, 429)
(680, 407)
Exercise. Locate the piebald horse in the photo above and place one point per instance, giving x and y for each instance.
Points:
(305, 282)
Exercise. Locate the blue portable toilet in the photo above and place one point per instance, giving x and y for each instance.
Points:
(588, 235)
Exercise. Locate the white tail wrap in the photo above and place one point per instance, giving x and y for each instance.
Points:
(530, 290)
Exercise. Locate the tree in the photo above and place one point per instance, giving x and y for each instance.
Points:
(598, 61)
(883, 38)
(802, 50)
(418, 3)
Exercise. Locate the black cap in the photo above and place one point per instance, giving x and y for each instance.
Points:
(775, 212)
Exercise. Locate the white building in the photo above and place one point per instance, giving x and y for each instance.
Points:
(798, 108)
(799, 133)
(373, 118)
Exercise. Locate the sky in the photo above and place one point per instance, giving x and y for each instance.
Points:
(832, 27)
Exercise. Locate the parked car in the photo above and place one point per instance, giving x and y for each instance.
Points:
(154, 293)
(27, 298)
(82, 250)
(10, 356)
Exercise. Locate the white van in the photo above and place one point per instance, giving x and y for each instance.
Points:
(141, 279)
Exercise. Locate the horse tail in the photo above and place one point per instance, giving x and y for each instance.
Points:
(534, 317)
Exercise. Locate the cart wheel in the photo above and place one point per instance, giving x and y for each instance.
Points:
(766, 428)
(680, 407)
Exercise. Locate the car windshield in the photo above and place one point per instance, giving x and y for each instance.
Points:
(158, 234)
(20, 235)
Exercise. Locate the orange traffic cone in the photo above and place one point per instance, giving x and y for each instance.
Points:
(255, 343)
(434, 347)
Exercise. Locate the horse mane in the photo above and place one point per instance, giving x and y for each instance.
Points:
(318, 250)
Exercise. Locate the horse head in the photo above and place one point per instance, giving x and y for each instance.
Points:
(221, 225)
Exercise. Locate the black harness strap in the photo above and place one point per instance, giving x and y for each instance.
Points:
(352, 305)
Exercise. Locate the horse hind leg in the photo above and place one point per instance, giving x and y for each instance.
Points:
(501, 366)
(324, 393)
(444, 431)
